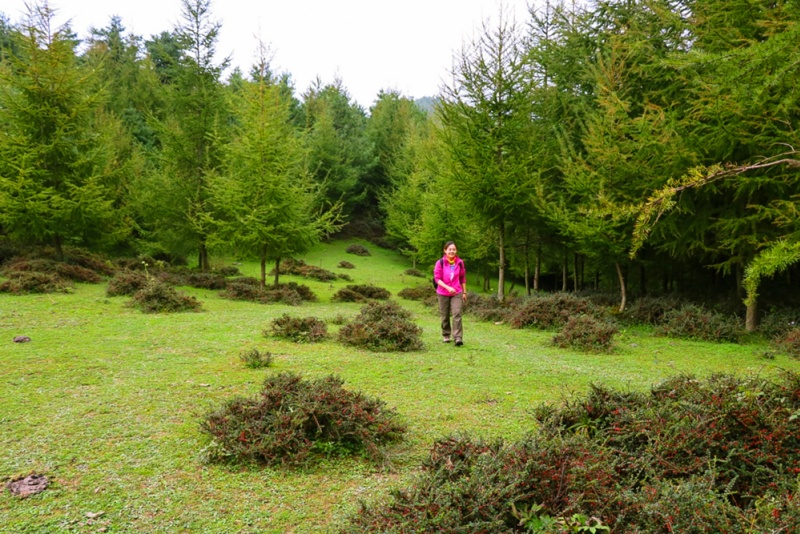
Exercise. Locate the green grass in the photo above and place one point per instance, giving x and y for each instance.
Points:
(106, 401)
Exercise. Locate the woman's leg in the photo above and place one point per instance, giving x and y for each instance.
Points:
(455, 308)
(444, 313)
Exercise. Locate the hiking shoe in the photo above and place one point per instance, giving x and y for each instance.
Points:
(459, 342)
(446, 340)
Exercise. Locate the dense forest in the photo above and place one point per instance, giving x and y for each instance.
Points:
(634, 146)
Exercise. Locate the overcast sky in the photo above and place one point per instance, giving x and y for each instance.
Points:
(406, 45)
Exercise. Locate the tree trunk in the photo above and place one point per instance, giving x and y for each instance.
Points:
(751, 317)
(263, 280)
(527, 272)
(501, 274)
(277, 271)
(202, 258)
(575, 283)
(622, 291)
(58, 248)
(564, 271)
(537, 271)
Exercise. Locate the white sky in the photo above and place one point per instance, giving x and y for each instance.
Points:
(405, 45)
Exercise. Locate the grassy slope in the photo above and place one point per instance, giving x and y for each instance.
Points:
(106, 401)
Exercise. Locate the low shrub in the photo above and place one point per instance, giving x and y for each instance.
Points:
(346, 265)
(157, 297)
(282, 295)
(584, 332)
(67, 271)
(243, 290)
(255, 359)
(23, 282)
(228, 271)
(126, 283)
(415, 293)
(301, 268)
(789, 342)
(489, 308)
(548, 311)
(294, 420)
(348, 295)
(205, 280)
(367, 291)
(298, 329)
(695, 322)
(778, 321)
(338, 319)
(358, 250)
(382, 327)
(303, 291)
(715, 455)
(415, 272)
(649, 310)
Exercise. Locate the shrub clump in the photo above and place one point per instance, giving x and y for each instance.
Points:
(778, 321)
(715, 455)
(649, 310)
(301, 268)
(346, 265)
(549, 311)
(357, 293)
(205, 280)
(126, 283)
(695, 322)
(228, 271)
(298, 329)
(24, 282)
(157, 297)
(415, 293)
(382, 327)
(789, 342)
(294, 420)
(490, 308)
(255, 359)
(358, 250)
(415, 272)
(67, 271)
(584, 332)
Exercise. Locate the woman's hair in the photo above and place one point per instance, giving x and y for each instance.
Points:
(448, 244)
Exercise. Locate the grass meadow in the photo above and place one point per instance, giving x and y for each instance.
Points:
(106, 400)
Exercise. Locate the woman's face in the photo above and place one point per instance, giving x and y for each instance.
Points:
(451, 251)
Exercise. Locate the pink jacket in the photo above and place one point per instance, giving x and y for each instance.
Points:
(455, 276)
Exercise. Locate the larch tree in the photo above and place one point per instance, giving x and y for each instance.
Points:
(485, 117)
(56, 162)
(265, 204)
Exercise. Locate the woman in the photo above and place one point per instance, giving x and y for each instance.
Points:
(450, 276)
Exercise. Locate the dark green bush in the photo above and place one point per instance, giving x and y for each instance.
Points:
(255, 359)
(789, 342)
(157, 297)
(282, 295)
(719, 455)
(126, 283)
(301, 268)
(22, 282)
(777, 321)
(346, 265)
(239, 289)
(367, 291)
(584, 332)
(415, 272)
(358, 250)
(490, 309)
(649, 310)
(415, 293)
(67, 271)
(549, 311)
(382, 327)
(205, 280)
(298, 329)
(348, 295)
(294, 420)
(695, 322)
(228, 271)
